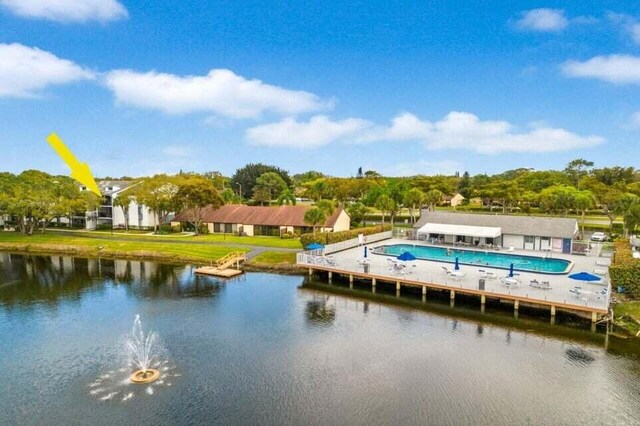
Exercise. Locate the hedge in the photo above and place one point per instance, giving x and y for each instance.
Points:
(336, 237)
(625, 270)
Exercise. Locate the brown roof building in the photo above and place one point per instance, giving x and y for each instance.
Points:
(257, 220)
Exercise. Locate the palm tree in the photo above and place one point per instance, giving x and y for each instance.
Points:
(123, 201)
(413, 199)
(287, 197)
(582, 201)
(432, 198)
(315, 216)
(385, 204)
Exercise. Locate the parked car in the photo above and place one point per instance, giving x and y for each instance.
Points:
(599, 236)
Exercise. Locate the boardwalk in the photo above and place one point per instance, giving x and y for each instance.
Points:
(429, 275)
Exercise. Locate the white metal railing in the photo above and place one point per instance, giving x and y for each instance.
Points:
(493, 287)
(354, 242)
(308, 256)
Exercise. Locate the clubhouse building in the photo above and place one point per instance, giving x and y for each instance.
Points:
(498, 231)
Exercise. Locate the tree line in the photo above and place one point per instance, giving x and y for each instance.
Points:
(37, 198)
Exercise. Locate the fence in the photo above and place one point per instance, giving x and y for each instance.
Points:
(354, 242)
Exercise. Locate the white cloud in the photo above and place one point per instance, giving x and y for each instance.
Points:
(543, 20)
(221, 92)
(457, 130)
(25, 71)
(422, 167)
(318, 131)
(67, 10)
(629, 25)
(463, 130)
(619, 69)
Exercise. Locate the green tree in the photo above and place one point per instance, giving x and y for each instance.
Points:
(632, 218)
(386, 205)
(158, 193)
(583, 201)
(433, 198)
(194, 196)
(624, 206)
(287, 197)
(327, 206)
(413, 200)
(123, 201)
(272, 183)
(558, 199)
(577, 169)
(244, 179)
(357, 212)
(464, 186)
(314, 217)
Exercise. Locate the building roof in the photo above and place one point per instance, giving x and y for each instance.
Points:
(258, 215)
(461, 230)
(111, 187)
(557, 227)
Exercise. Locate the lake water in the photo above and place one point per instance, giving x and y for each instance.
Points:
(269, 349)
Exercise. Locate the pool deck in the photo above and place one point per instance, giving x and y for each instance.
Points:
(430, 276)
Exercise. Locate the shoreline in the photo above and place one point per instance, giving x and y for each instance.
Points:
(629, 329)
(70, 250)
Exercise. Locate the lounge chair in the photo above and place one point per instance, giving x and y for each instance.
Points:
(603, 262)
(534, 283)
(544, 285)
(510, 281)
(445, 270)
(457, 275)
(601, 271)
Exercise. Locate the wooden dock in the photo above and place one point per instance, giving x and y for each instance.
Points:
(223, 266)
(583, 311)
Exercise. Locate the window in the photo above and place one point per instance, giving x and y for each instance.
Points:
(140, 215)
(528, 239)
(228, 228)
(216, 227)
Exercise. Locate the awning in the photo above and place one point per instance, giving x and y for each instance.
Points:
(461, 230)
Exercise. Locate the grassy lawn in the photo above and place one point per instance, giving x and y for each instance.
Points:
(275, 258)
(92, 247)
(275, 242)
(628, 312)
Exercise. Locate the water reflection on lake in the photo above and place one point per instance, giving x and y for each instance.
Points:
(270, 349)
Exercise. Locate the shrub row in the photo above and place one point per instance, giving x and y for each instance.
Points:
(625, 270)
(336, 237)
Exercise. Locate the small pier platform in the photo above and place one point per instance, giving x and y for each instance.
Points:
(223, 266)
(212, 270)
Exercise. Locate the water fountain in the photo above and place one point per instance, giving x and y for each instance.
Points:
(142, 354)
(146, 356)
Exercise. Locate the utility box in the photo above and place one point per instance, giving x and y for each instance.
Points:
(481, 284)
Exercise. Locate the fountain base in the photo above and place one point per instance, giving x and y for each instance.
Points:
(145, 376)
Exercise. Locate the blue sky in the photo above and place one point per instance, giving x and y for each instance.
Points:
(427, 87)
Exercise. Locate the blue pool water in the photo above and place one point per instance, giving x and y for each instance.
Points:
(480, 258)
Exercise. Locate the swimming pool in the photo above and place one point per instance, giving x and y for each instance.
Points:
(480, 258)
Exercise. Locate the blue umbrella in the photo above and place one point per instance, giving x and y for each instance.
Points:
(315, 246)
(365, 251)
(584, 276)
(406, 256)
(457, 265)
(511, 270)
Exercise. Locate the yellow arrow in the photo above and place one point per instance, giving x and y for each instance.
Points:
(79, 171)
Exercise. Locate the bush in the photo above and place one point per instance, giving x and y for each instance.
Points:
(625, 270)
(336, 237)
(286, 236)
